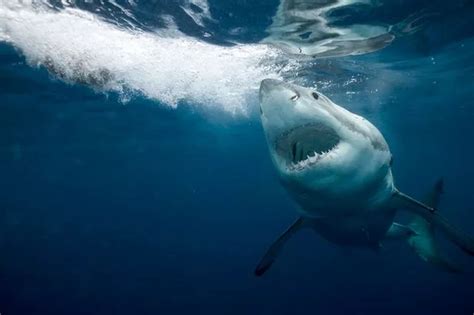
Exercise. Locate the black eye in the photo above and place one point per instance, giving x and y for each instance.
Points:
(315, 95)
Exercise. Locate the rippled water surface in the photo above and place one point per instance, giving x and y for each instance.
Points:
(135, 177)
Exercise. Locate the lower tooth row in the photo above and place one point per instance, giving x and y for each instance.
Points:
(310, 159)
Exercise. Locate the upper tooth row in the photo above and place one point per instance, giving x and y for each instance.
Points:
(310, 159)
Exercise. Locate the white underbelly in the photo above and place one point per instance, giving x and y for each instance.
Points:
(333, 202)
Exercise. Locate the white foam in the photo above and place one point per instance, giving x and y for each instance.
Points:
(169, 67)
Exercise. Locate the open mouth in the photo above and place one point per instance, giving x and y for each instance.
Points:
(306, 145)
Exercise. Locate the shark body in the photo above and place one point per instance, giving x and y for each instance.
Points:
(337, 166)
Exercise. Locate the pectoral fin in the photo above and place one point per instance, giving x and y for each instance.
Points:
(423, 242)
(275, 249)
(430, 218)
(425, 246)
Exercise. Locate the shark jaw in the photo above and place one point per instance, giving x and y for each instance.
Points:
(326, 157)
(301, 132)
(305, 146)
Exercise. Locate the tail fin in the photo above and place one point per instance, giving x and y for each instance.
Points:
(423, 240)
(428, 219)
(275, 249)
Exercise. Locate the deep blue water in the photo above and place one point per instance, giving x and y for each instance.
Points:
(154, 194)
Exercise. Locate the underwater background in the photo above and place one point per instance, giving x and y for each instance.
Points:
(134, 173)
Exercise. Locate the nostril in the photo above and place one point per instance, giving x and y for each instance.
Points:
(261, 110)
(315, 95)
(294, 97)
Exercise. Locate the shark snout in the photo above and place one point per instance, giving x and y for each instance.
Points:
(267, 86)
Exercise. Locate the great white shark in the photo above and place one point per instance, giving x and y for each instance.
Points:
(337, 166)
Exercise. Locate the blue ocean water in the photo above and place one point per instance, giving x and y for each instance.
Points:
(135, 176)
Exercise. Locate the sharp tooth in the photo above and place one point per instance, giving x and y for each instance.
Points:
(293, 152)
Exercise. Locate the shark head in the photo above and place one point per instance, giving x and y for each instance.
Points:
(323, 152)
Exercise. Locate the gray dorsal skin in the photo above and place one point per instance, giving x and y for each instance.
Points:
(337, 166)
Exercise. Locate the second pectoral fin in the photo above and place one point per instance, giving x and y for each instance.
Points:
(274, 250)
